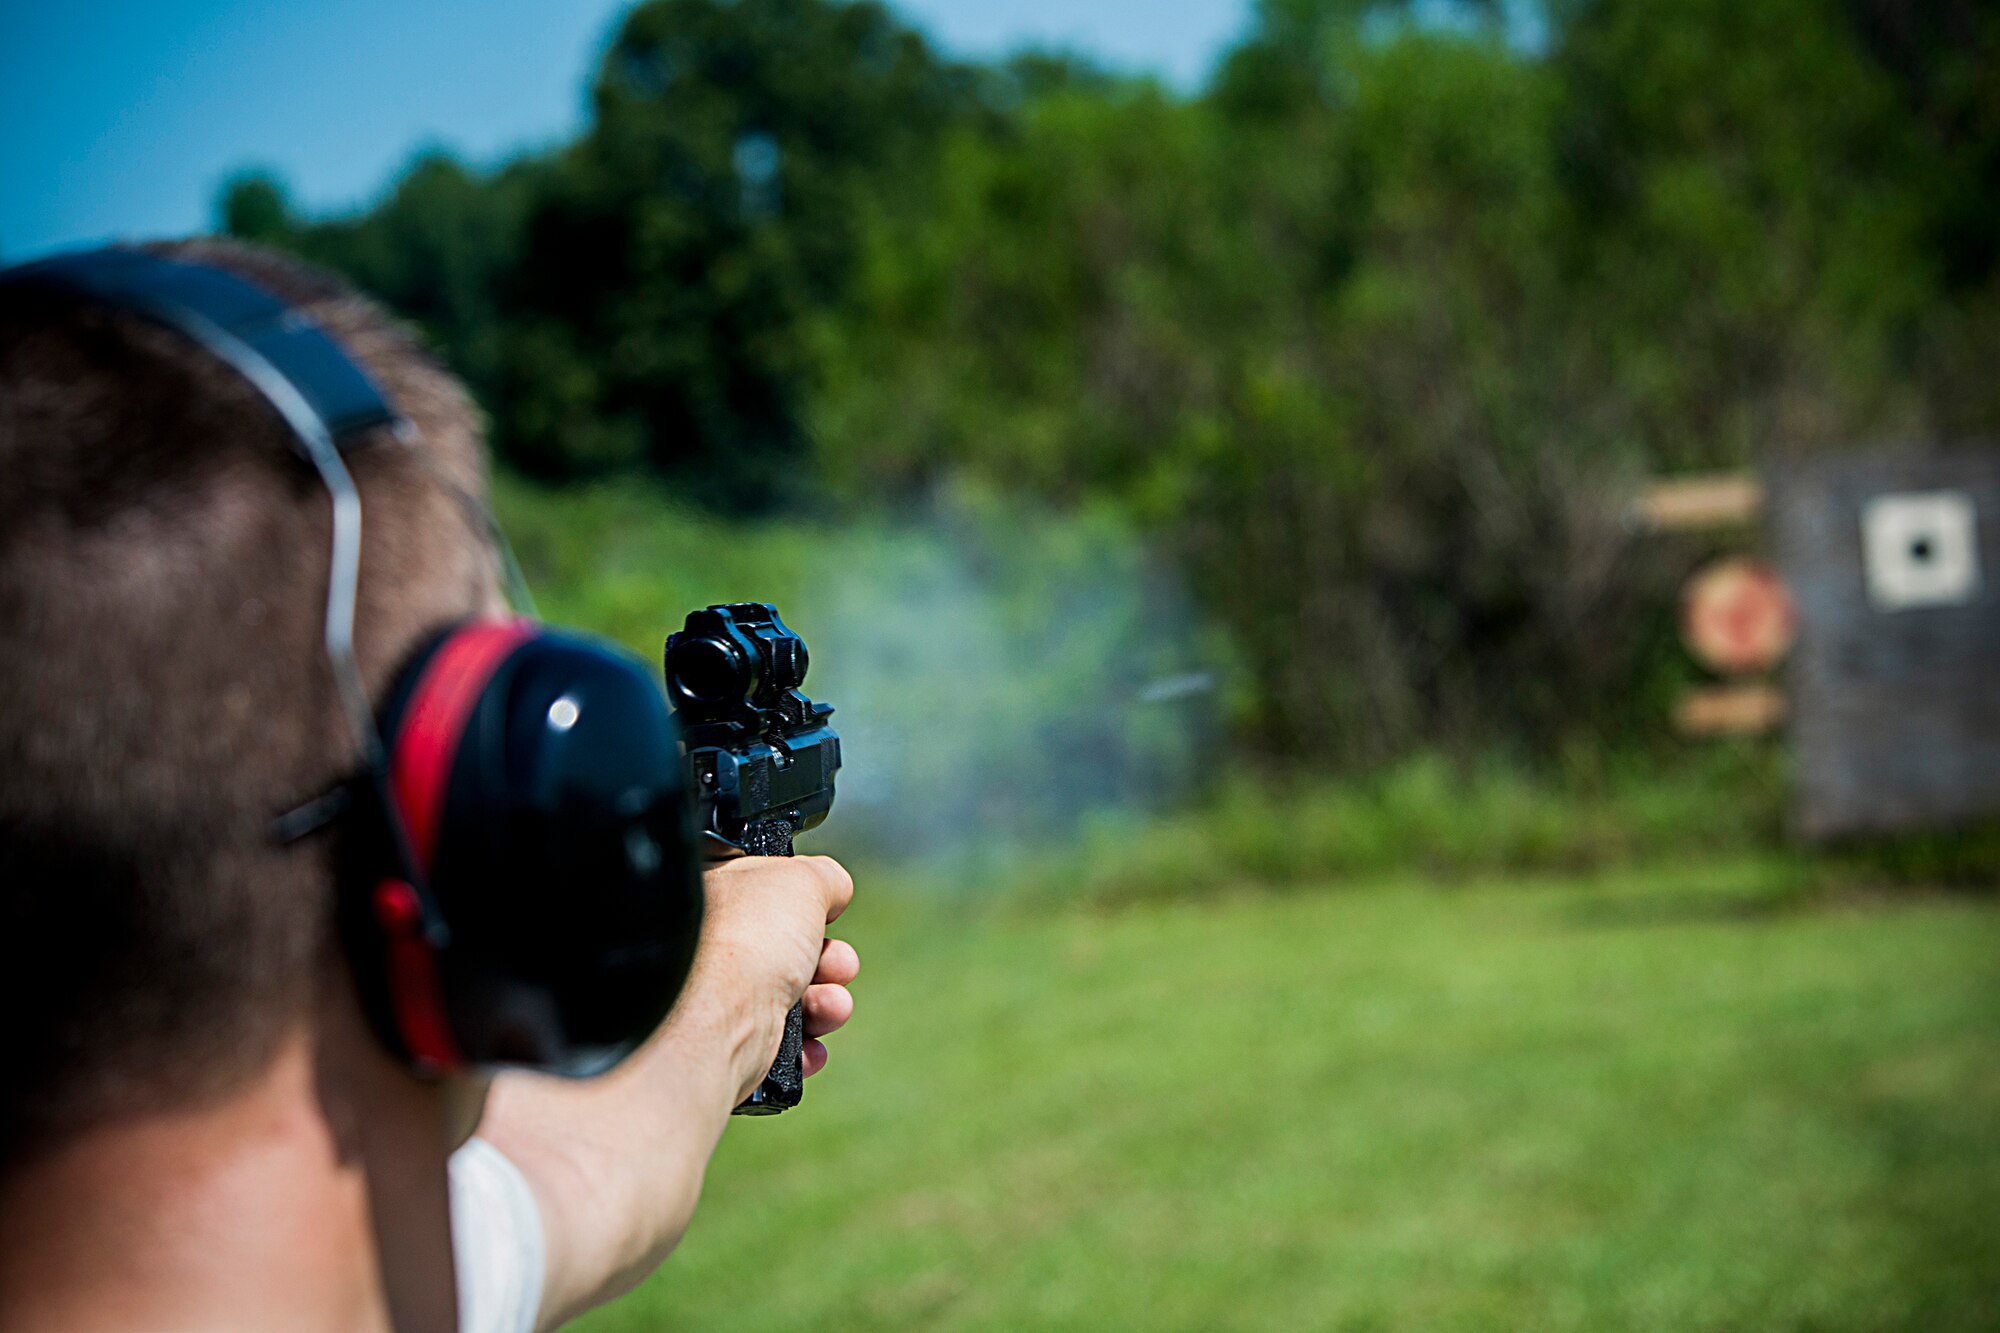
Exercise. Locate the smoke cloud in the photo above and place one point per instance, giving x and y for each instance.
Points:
(1001, 677)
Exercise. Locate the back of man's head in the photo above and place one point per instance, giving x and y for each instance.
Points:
(164, 692)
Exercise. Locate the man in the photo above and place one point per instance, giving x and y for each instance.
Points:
(198, 1129)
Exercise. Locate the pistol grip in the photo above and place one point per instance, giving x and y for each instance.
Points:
(785, 1084)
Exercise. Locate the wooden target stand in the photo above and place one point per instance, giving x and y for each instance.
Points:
(1891, 701)
(1737, 618)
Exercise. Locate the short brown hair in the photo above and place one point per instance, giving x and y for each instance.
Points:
(164, 694)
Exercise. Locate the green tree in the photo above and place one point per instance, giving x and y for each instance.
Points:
(1317, 345)
(1370, 337)
(1375, 334)
(654, 316)
(438, 248)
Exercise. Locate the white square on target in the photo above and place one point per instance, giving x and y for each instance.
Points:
(1919, 549)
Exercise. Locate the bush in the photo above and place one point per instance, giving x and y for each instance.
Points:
(1431, 818)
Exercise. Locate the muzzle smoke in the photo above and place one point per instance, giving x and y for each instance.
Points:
(1002, 677)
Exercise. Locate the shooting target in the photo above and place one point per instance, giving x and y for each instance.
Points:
(1737, 617)
(1919, 549)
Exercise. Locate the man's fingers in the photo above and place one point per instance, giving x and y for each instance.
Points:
(834, 879)
(835, 885)
(813, 1056)
(839, 965)
(827, 1007)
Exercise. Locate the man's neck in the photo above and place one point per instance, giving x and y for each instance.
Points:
(266, 1211)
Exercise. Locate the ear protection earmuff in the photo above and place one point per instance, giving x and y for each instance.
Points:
(537, 778)
(517, 878)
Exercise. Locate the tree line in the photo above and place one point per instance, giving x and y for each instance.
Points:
(1369, 336)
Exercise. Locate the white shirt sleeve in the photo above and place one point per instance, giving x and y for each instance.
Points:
(496, 1242)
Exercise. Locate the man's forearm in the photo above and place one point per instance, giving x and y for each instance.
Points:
(616, 1163)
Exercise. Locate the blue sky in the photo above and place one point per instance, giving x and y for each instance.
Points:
(119, 118)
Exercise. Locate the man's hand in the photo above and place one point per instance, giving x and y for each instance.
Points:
(741, 933)
(616, 1162)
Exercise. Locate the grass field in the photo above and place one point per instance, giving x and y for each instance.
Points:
(1671, 1098)
(1511, 1049)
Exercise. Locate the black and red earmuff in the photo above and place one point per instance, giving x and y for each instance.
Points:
(534, 899)
(518, 884)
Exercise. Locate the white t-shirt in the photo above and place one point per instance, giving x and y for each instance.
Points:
(496, 1242)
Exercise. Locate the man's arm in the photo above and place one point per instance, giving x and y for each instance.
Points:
(616, 1162)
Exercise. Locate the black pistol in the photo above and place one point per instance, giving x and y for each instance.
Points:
(761, 759)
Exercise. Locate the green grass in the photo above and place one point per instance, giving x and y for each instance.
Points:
(1451, 822)
(1665, 1098)
(624, 561)
(1426, 816)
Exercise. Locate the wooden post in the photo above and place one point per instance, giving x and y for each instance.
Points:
(1700, 502)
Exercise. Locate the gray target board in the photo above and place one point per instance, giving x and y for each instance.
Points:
(1894, 562)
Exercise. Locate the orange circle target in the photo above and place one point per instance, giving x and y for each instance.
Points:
(1737, 617)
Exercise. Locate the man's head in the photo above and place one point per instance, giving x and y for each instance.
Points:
(164, 693)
